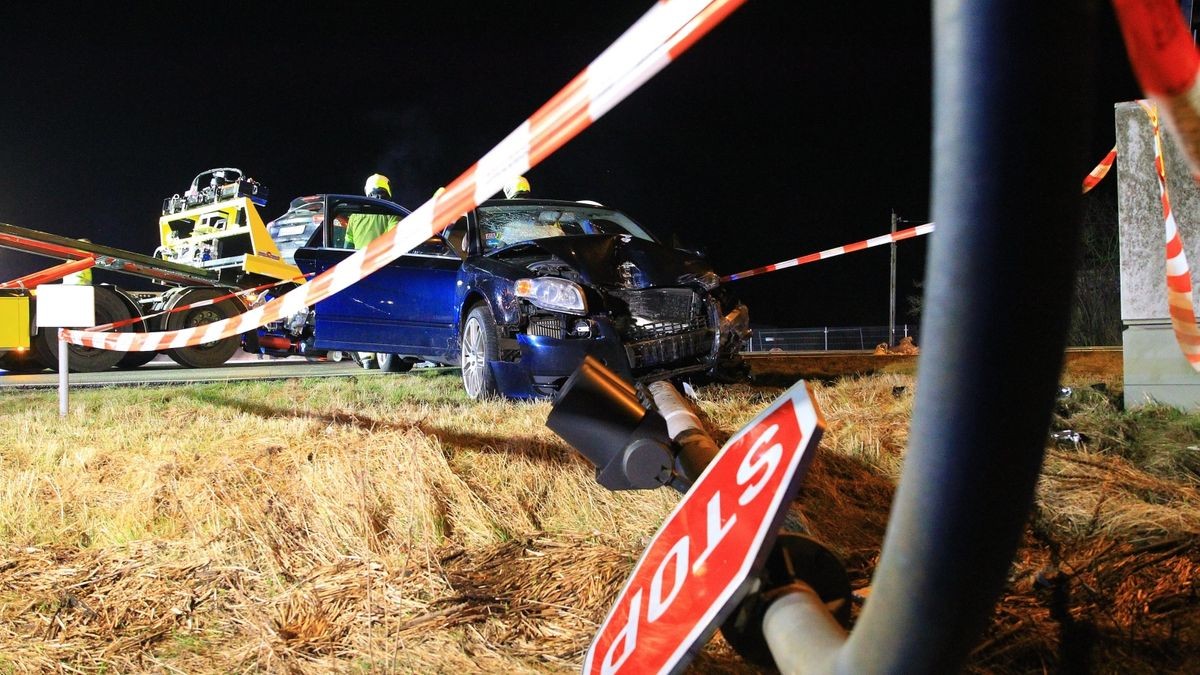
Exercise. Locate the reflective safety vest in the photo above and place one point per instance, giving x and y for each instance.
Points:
(362, 228)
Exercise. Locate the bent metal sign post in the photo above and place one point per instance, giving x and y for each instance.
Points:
(695, 569)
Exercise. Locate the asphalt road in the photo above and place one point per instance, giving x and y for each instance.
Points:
(162, 370)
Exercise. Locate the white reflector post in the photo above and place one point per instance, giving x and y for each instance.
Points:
(65, 306)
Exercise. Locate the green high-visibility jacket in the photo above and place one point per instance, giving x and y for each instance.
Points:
(362, 228)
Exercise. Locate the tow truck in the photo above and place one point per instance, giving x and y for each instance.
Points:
(212, 242)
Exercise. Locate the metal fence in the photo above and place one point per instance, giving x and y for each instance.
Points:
(825, 338)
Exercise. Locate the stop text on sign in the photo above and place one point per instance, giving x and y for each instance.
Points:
(694, 570)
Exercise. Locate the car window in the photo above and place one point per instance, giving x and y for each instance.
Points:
(506, 225)
(337, 230)
(343, 210)
(294, 229)
(456, 237)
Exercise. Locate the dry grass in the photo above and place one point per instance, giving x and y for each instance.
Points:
(388, 523)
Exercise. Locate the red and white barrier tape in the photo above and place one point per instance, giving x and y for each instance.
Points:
(1179, 277)
(200, 303)
(1167, 65)
(829, 253)
(1097, 174)
(667, 30)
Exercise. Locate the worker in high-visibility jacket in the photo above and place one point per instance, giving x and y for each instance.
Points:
(82, 277)
(362, 228)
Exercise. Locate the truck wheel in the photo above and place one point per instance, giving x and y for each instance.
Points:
(393, 363)
(109, 308)
(209, 354)
(480, 347)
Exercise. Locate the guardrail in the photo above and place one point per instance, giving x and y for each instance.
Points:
(825, 338)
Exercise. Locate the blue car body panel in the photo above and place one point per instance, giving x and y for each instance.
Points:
(408, 307)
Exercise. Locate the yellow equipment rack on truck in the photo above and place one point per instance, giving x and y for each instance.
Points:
(213, 242)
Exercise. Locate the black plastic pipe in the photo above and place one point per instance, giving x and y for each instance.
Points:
(1012, 80)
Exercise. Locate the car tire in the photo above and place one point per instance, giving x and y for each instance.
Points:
(393, 363)
(480, 347)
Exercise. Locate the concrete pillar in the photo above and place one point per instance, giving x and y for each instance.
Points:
(1155, 369)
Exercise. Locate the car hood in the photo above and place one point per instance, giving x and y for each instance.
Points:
(618, 261)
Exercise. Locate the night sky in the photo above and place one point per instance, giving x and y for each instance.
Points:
(791, 128)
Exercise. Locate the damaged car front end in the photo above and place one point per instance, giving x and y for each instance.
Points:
(570, 280)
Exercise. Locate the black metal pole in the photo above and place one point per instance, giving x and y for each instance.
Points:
(892, 289)
(1011, 87)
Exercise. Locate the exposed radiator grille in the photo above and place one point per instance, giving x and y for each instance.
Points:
(650, 331)
(679, 305)
(659, 312)
(667, 349)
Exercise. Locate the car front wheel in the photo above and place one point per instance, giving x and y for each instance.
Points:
(480, 346)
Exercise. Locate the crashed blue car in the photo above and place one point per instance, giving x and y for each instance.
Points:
(516, 292)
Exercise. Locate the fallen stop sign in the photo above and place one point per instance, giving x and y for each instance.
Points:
(693, 572)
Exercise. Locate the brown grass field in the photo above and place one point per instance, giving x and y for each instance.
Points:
(386, 523)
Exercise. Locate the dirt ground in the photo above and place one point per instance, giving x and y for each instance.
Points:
(1099, 364)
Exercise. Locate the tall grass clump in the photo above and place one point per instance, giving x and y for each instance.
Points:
(388, 523)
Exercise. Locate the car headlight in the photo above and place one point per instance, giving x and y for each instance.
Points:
(553, 293)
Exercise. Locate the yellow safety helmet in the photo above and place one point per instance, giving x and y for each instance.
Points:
(518, 188)
(377, 182)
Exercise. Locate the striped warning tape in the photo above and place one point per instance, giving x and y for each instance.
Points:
(836, 251)
(1179, 277)
(1164, 59)
(664, 32)
(1097, 174)
(1167, 65)
(199, 303)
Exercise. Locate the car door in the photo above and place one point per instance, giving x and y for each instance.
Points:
(407, 307)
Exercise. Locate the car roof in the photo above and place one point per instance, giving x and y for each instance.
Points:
(562, 203)
(352, 199)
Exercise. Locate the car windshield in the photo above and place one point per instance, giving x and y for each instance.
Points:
(512, 224)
